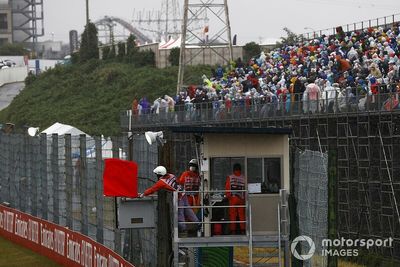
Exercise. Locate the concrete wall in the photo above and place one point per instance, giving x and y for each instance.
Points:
(12, 75)
(44, 64)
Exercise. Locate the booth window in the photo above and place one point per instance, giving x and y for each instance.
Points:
(221, 168)
(264, 175)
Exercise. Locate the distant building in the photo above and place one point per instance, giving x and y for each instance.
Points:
(51, 49)
(6, 35)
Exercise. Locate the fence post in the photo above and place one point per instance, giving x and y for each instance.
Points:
(55, 177)
(332, 202)
(83, 185)
(117, 232)
(164, 229)
(15, 175)
(43, 176)
(68, 180)
(23, 177)
(33, 174)
(99, 191)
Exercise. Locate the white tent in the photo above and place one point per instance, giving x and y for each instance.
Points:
(61, 129)
(106, 144)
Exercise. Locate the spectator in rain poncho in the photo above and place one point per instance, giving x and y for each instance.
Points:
(362, 101)
(312, 94)
(342, 100)
(170, 103)
(164, 106)
(135, 108)
(145, 104)
(352, 54)
(188, 109)
(329, 98)
(155, 108)
(349, 59)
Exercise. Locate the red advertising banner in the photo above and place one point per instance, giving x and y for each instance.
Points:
(58, 243)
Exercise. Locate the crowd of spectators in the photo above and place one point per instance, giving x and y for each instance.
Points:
(350, 71)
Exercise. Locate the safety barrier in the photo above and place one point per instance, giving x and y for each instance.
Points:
(60, 244)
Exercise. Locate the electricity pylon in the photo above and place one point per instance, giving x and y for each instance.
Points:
(216, 32)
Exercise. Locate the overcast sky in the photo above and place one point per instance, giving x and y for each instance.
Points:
(251, 20)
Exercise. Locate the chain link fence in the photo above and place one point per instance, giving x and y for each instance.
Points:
(311, 193)
(60, 179)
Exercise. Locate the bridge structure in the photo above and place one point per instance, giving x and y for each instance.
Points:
(362, 142)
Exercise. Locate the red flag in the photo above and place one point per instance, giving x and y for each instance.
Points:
(120, 178)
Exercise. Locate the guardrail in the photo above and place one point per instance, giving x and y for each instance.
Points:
(264, 108)
(206, 207)
(378, 22)
(58, 243)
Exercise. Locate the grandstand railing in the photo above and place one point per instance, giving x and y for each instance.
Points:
(263, 108)
(357, 26)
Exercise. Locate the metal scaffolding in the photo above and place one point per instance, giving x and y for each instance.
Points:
(27, 19)
(366, 145)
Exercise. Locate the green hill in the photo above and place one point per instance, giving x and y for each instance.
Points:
(92, 95)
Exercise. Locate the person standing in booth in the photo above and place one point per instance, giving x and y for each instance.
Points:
(236, 181)
(190, 180)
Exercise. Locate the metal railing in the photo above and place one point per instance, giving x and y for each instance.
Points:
(244, 238)
(265, 108)
(356, 26)
(214, 196)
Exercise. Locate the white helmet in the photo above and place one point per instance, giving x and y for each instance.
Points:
(160, 170)
(193, 162)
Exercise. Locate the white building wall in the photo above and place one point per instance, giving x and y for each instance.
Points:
(12, 75)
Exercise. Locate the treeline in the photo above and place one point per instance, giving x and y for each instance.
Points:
(129, 53)
(121, 52)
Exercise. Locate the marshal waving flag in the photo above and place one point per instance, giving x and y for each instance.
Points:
(120, 178)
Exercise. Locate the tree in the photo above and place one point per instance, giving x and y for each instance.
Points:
(144, 58)
(131, 47)
(89, 44)
(251, 50)
(121, 50)
(75, 58)
(106, 52)
(290, 39)
(112, 53)
(13, 50)
(174, 55)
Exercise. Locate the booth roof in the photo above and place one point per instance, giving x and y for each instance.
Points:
(231, 130)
